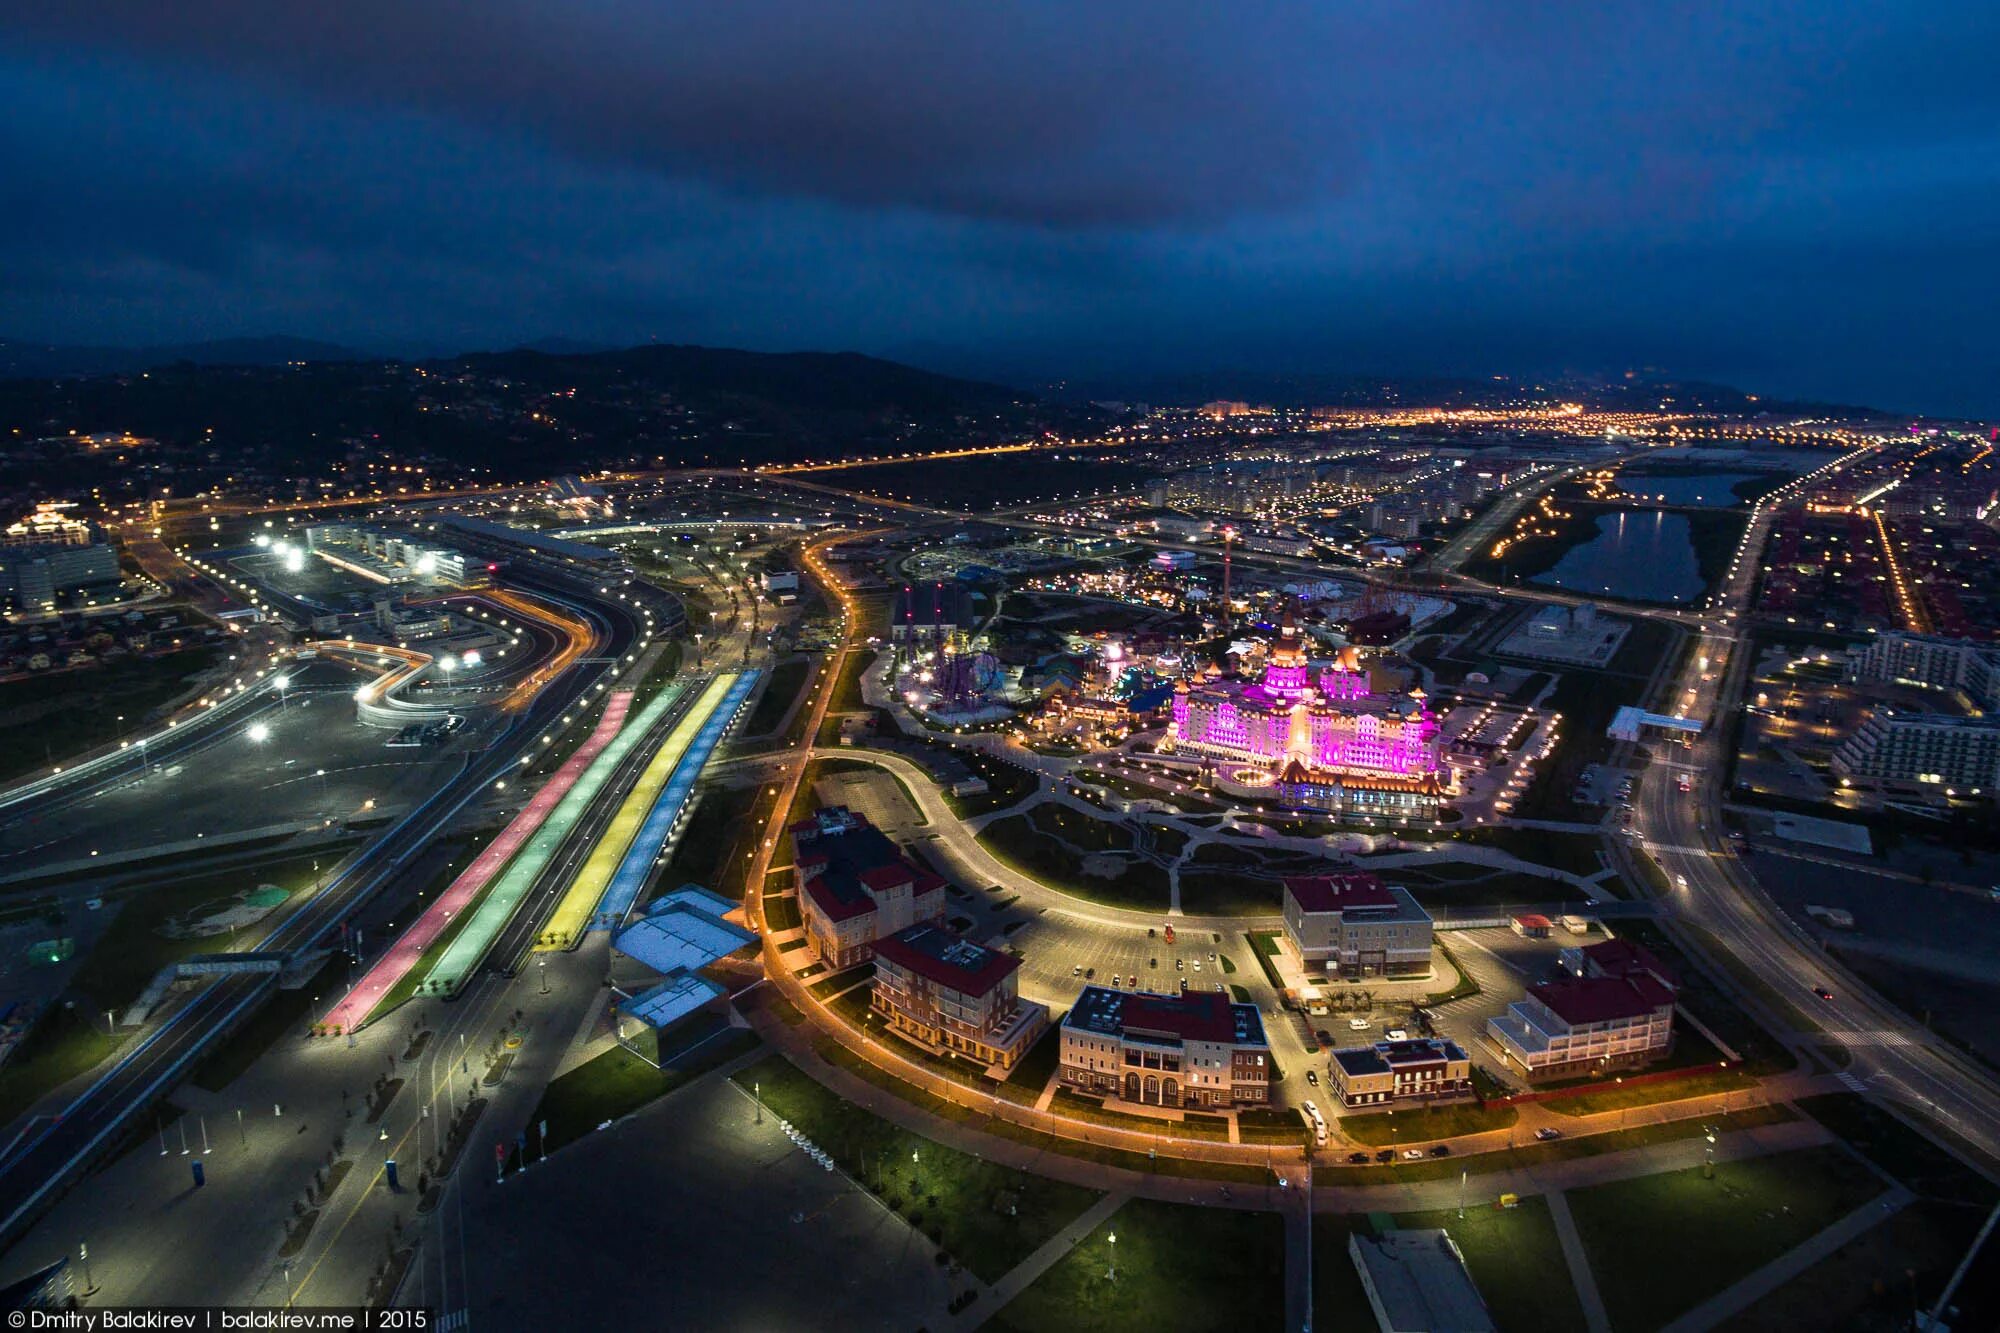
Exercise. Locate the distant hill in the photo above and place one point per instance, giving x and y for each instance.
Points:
(524, 413)
(22, 360)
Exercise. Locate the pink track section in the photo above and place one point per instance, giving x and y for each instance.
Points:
(392, 966)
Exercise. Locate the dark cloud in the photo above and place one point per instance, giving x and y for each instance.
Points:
(1047, 113)
(1803, 193)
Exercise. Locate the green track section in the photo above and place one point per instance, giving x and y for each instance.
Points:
(464, 948)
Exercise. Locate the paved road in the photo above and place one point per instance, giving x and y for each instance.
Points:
(1713, 889)
(45, 1161)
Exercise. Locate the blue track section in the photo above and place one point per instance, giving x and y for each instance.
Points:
(652, 835)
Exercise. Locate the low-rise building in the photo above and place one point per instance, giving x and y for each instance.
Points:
(1614, 1011)
(1416, 1282)
(1196, 1049)
(1423, 1071)
(855, 887)
(950, 995)
(1356, 926)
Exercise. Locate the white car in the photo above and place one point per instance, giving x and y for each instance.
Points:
(1357, 1025)
(1399, 1034)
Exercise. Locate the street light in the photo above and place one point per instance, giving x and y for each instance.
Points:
(258, 733)
(1112, 1240)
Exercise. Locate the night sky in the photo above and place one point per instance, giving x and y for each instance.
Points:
(1797, 198)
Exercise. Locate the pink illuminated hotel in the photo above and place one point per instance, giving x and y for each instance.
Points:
(1325, 742)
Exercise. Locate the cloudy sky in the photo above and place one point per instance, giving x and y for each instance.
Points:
(1800, 198)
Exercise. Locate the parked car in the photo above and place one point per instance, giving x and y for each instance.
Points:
(1549, 1134)
(1312, 1077)
(1076, 971)
(1386, 1155)
(1357, 1159)
(1441, 1150)
(1413, 1154)
(1399, 1034)
(1357, 1025)
(1180, 965)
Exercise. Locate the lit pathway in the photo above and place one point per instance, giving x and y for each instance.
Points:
(1733, 1299)
(1580, 1274)
(1018, 1278)
(403, 955)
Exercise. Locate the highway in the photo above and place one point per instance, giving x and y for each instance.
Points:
(1715, 891)
(45, 1162)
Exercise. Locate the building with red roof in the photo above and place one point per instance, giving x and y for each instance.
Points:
(1611, 1009)
(1198, 1048)
(1354, 925)
(854, 886)
(952, 996)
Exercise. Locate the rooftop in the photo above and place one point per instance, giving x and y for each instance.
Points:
(842, 856)
(936, 954)
(1384, 1056)
(1339, 893)
(1194, 1016)
(1621, 957)
(1582, 1000)
(1417, 1280)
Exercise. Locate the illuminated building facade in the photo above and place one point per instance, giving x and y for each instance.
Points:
(1326, 740)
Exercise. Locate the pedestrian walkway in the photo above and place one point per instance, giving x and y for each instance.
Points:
(1580, 1274)
(1734, 1299)
(1022, 1275)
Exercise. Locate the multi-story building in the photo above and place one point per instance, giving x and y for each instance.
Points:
(950, 995)
(49, 553)
(855, 887)
(1892, 748)
(1955, 665)
(1617, 1014)
(1355, 925)
(1422, 1071)
(1194, 1049)
(1326, 732)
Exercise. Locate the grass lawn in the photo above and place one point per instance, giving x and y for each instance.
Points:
(1421, 1126)
(781, 912)
(618, 1082)
(1577, 853)
(75, 711)
(282, 1011)
(1532, 1154)
(1094, 1110)
(1900, 1150)
(1515, 1260)
(132, 950)
(1227, 893)
(841, 980)
(988, 1216)
(1270, 1124)
(1340, 1305)
(1018, 843)
(1177, 1267)
(1038, 1064)
(783, 687)
(1872, 1282)
(1718, 1231)
(65, 1043)
(1619, 1096)
(1235, 1172)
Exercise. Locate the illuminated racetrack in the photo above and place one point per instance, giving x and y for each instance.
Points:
(407, 951)
(578, 907)
(665, 816)
(456, 960)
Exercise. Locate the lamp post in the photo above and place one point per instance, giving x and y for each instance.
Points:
(1111, 1239)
